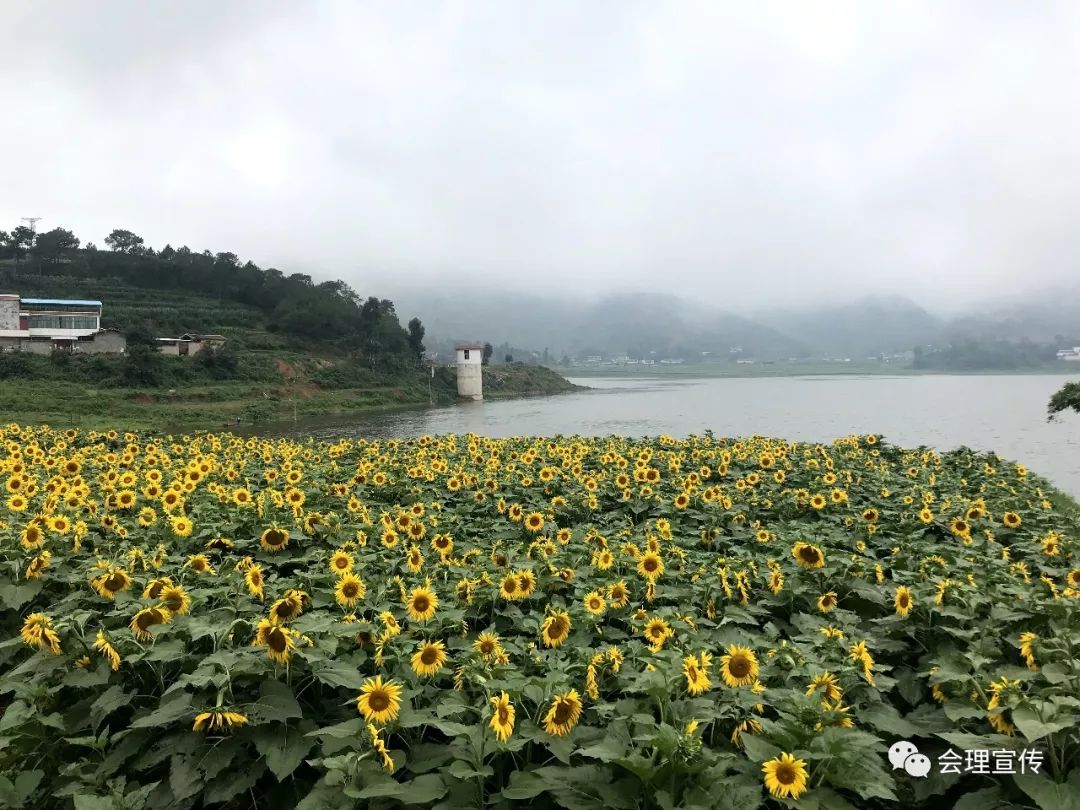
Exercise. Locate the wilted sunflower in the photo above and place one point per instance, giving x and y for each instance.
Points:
(1027, 649)
(146, 618)
(902, 601)
(826, 683)
(421, 604)
(350, 590)
(785, 776)
(429, 659)
(556, 629)
(379, 702)
(219, 720)
(37, 632)
(102, 645)
(274, 539)
(564, 714)
(278, 640)
(502, 717)
(739, 667)
(253, 578)
(808, 556)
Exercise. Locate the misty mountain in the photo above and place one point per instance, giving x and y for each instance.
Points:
(639, 324)
(869, 326)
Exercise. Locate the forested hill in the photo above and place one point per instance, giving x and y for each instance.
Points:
(196, 287)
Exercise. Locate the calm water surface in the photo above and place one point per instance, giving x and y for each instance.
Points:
(1002, 413)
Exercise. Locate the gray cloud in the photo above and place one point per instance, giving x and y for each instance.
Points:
(748, 152)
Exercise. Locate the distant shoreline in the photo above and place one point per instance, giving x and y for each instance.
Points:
(787, 370)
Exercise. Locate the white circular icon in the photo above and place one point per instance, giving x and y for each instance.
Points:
(917, 765)
(900, 751)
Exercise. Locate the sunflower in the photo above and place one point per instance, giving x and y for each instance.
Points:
(1073, 578)
(219, 720)
(487, 644)
(429, 659)
(785, 776)
(278, 640)
(739, 667)
(619, 594)
(697, 678)
(181, 526)
(502, 717)
(112, 582)
(146, 618)
(379, 702)
(421, 604)
(102, 645)
(808, 556)
(534, 522)
(828, 684)
(594, 603)
(827, 602)
(1027, 649)
(556, 629)
(274, 539)
(341, 562)
(818, 502)
(32, 536)
(350, 590)
(200, 564)
(147, 517)
(1011, 520)
(508, 588)
(564, 714)
(526, 583)
(253, 577)
(656, 632)
(902, 601)
(287, 608)
(175, 599)
(650, 566)
(37, 632)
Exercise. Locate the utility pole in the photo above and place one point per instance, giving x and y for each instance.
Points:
(32, 222)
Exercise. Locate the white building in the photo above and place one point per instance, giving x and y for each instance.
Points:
(470, 375)
(40, 325)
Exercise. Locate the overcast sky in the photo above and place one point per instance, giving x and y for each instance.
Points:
(751, 151)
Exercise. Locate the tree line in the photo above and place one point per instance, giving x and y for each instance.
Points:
(329, 312)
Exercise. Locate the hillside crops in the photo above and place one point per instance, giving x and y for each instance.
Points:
(569, 622)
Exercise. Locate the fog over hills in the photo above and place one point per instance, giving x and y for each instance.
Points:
(638, 324)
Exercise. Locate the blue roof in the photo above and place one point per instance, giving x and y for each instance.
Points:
(61, 301)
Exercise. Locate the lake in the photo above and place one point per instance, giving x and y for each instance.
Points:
(1003, 413)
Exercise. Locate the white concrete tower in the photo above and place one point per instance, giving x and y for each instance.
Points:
(470, 377)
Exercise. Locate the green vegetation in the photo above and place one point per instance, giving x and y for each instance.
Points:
(1068, 398)
(294, 347)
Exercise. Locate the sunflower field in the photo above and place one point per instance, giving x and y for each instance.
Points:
(459, 622)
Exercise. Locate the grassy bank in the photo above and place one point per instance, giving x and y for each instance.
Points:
(62, 403)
